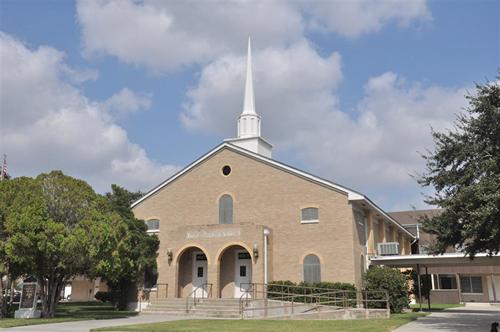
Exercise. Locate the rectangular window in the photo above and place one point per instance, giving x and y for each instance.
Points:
(447, 281)
(153, 225)
(244, 255)
(310, 215)
(471, 284)
(200, 272)
(243, 271)
(201, 257)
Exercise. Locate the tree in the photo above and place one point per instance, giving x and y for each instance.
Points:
(464, 170)
(391, 280)
(8, 268)
(56, 227)
(136, 250)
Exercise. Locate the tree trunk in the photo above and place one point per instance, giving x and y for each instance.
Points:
(43, 294)
(3, 300)
(10, 288)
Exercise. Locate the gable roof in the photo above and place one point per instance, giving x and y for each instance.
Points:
(352, 195)
(413, 217)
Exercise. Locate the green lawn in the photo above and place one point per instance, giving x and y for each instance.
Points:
(435, 306)
(201, 325)
(66, 312)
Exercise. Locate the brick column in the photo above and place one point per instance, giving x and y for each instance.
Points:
(381, 229)
(371, 239)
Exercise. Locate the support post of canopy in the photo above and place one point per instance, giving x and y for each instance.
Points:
(419, 288)
(429, 294)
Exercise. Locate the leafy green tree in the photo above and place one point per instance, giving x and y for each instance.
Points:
(56, 227)
(391, 280)
(9, 191)
(135, 251)
(464, 170)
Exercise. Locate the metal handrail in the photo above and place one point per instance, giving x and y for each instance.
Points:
(329, 297)
(192, 295)
(157, 289)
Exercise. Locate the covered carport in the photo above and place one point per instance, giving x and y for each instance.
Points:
(455, 263)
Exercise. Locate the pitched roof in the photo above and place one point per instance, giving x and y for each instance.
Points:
(413, 217)
(352, 195)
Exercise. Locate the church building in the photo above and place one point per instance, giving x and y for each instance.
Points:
(236, 216)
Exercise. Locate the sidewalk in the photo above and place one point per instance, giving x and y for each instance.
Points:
(86, 325)
(472, 317)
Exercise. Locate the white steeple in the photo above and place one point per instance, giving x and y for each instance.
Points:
(249, 101)
(249, 121)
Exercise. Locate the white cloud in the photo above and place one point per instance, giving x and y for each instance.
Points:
(48, 124)
(127, 101)
(375, 147)
(170, 35)
(356, 17)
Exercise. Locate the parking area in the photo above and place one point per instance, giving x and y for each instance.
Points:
(472, 317)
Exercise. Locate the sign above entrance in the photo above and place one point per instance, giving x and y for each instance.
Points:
(204, 234)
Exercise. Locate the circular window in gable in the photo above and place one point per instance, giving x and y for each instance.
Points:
(226, 170)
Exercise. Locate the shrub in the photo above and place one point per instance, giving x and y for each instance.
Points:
(104, 296)
(304, 292)
(390, 280)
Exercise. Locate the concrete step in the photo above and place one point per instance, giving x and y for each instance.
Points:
(217, 308)
(166, 307)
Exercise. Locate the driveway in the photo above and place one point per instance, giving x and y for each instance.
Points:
(473, 317)
(86, 325)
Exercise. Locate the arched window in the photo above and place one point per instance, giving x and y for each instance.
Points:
(312, 269)
(309, 215)
(226, 210)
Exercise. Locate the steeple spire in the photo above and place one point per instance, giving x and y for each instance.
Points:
(249, 101)
(249, 120)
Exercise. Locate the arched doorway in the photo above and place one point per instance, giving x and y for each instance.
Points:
(235, 271)
(192, 268)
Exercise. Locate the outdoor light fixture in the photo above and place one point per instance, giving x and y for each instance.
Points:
(169, 255)
(255, 251)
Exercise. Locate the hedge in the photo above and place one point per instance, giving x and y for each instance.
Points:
(287, 290)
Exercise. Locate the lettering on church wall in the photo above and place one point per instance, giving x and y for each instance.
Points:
(204, 234)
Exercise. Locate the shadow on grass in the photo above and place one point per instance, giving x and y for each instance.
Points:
(70, 311)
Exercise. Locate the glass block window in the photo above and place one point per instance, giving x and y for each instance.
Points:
(153, 225)
(471, 284)
(226, 210)
(310, 214)
(312, 269)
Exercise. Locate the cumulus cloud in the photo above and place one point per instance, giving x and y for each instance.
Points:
(170, 35)
(127, 101)
(47, 123)
(375, 146)
(356, 17)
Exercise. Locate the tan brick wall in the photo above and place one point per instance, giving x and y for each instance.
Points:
(263, 196)
(84, 289)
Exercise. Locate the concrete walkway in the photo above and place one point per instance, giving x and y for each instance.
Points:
(86, 325)
(472, 317)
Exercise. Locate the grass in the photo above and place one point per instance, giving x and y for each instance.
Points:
(73, 311)
(201, 325)
(435, 306)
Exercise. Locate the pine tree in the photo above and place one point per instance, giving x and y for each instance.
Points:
(464, 170)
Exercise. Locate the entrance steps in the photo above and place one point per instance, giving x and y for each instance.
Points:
(217, 308)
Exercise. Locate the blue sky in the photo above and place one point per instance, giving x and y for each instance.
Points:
(130, 92)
